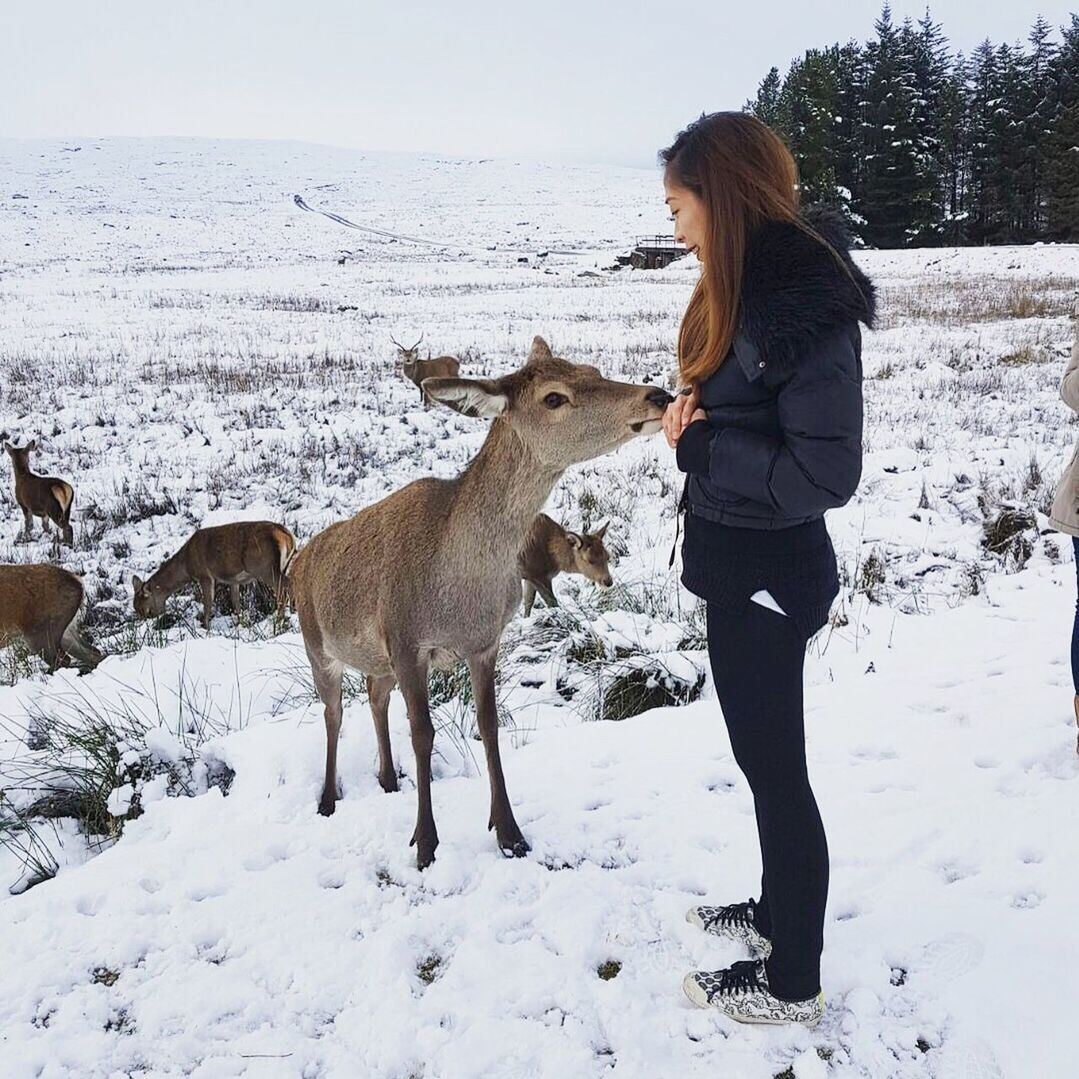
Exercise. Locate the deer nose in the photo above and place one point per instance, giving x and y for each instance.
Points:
(659, 397)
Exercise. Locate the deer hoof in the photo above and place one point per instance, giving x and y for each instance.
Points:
(388, 783)
(515, 848)
(326, 806)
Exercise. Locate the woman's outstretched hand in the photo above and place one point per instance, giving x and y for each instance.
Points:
(680, 413)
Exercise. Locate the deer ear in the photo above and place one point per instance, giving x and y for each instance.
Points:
(31, 445)
(575, 541)
(136, 582)
(602, 530)
(540, 351)
(481, 397)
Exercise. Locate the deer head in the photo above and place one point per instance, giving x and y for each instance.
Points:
(590, 555)
(563, 412)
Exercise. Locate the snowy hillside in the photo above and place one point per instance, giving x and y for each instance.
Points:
(190, 346)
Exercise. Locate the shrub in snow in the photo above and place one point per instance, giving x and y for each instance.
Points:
(93, 763)
(639, 683)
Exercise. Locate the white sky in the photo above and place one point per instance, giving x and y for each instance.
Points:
(589, 80)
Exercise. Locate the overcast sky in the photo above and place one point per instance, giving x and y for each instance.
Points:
(571, 80)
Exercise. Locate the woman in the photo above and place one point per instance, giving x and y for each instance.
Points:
(770, 436)
(1064, 516)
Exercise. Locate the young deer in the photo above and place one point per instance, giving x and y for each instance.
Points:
(550, 550)
(40, 496)
(40, 604)
(416, 370)
(374, 593)
(232, 554)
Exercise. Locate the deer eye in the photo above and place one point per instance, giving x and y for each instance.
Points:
(555, 400)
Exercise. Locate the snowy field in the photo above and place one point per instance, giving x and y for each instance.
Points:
(189, 346)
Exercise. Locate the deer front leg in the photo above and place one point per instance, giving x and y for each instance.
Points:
(28, 523)
(481, 667)
(411, 672)
(529, 597)
(378, 693)
(206, 584)
(547, 592)
(234, 595)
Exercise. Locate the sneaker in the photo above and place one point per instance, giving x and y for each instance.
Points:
(741, 992)
(735, 922)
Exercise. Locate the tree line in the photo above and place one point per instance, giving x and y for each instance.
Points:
(920, 145)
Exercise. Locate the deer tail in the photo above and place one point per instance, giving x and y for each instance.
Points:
(64, 494)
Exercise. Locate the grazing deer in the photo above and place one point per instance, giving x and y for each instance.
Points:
(416, 370)
(232, 554)
(40, 604)
(550, 550)
(428, 574)
(40, 496)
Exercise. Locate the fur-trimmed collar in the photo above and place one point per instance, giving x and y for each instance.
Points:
(793, 289)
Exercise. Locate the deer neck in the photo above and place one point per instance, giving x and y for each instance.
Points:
(173, 573)
(500, 492)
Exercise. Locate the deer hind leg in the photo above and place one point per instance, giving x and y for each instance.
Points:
(411, 671)
(379, 689)
(46, 642)
(481, 667)
(328, 676)
(206, 585)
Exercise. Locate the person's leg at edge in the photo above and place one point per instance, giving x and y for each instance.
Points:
(757, 659)
(1075, 622)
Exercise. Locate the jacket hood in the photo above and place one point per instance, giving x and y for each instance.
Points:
(795, 290)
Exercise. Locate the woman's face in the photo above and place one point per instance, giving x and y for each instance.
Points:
(690, 216)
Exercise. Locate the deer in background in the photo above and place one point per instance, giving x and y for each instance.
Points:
(39, 604)
(46, 497)
(232, 554)
(551, 549)
(416, 370)
(429, 574)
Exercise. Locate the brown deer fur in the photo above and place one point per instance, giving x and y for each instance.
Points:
(39, 604)
(416, 370)
(429, 574)
(46, 497)
(232, 554)
(550, 550)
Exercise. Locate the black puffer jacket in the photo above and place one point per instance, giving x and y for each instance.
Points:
(783, 438)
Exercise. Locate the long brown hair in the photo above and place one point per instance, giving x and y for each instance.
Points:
(745, 175)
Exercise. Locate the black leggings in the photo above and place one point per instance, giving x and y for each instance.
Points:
(757, 658)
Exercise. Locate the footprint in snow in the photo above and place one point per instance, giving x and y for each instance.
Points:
(950, 956)
(962, 1059)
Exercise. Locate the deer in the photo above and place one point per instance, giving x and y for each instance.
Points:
(46, 497)
(232, 554)
(550, 550)
(427, 576)
(40, 605)
(416, 370)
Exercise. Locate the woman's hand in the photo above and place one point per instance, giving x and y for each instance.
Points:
(680, 413)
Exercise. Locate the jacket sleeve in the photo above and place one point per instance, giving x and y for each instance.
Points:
(816, 462)
(1069, 384)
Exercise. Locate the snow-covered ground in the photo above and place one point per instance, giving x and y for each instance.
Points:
(190, 346)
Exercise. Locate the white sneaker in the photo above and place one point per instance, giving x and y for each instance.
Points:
(737, 921)
(741, 992)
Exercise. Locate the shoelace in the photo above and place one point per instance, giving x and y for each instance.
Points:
(740, 914)
(742, 977)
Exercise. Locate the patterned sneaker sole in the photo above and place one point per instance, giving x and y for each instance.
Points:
(758, 951)
(698, 997)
